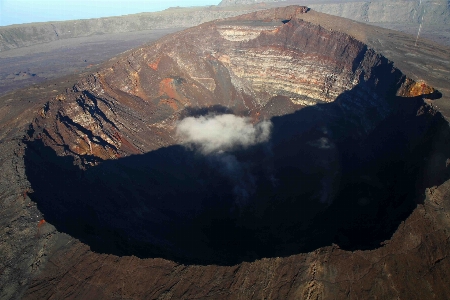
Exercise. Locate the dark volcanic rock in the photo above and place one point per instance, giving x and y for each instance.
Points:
(348, 197)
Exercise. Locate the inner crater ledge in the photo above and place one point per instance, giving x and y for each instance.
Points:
(259, 136)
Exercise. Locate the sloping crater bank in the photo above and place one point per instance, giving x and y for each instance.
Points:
(352, 146)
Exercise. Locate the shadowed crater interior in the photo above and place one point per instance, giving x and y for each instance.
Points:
(310, 185)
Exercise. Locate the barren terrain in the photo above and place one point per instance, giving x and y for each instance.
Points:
(41, 62)
(347, 199)
(33, 53)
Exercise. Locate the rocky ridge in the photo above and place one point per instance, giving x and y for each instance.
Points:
(406, 12)
(399, 11)
(17, 36)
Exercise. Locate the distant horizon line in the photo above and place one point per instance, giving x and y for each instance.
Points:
(17, 13)
(105, 17)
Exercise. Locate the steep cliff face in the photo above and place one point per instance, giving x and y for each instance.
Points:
(240, 64)
(340, 201)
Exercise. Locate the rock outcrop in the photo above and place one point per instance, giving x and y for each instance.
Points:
(349, 198)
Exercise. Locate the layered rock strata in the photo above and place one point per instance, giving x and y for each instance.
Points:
(114, 112)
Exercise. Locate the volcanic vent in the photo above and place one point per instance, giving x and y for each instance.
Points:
(256, 136)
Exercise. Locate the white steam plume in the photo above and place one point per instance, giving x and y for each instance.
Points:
(215, 136)
(221, 133)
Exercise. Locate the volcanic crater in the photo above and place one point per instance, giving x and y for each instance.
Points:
(352, 145)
